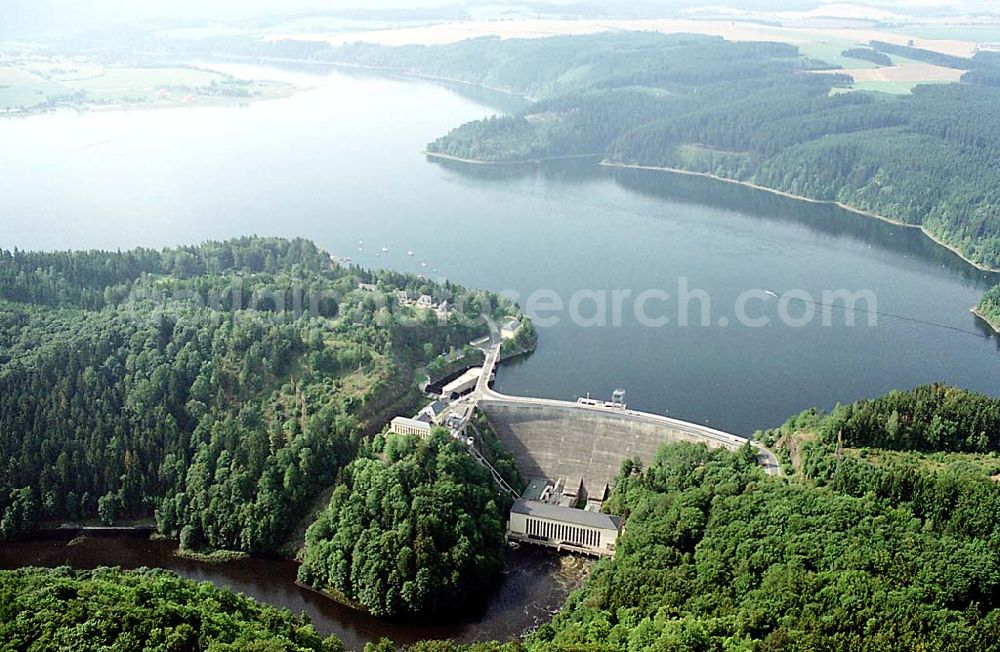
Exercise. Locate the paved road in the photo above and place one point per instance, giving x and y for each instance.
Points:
(489, 364)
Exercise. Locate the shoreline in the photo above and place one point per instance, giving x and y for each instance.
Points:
(606, 163)
(858, 211)
(361, 66)
(747, 184)
(421, 75)
(216, 101)
(472, 161)
(995, 325)
(335, 596)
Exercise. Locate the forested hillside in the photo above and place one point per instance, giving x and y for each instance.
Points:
(755, 112)
(111, 609)
(858, 549)
(928, 418)
(187, 383)
(417, 527)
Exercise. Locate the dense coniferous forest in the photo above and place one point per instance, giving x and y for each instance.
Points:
(189, 384)
(859, 548)
(755, 112)
(867, 54)
(111, 609)
(927, 56)
(928, 418)
(417, 527)
(714, 558)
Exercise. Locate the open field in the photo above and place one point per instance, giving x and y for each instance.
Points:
(819, 40)
(899, 79)
(829, 50)
(987, 464)
(20, 88)
(451, 32)
(913, 72)
(891, 87)
(37, 84)
(956, 32)
(825, 44)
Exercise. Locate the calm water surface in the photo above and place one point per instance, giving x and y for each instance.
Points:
(342, 162)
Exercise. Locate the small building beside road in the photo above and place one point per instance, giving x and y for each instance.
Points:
(462, 384)
(563, 528)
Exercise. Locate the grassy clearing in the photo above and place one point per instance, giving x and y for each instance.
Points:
(130, 81)
(35, 84)
(986, 464)
(18, 87)
(893, 87)
(792, 448)
(829, 50)
(977, 33)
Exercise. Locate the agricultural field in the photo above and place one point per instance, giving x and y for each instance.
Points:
(956, 32)
(20, 88)
(29, 85)
(822, 43)
(899, 79)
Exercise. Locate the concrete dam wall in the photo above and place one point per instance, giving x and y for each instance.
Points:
(571, 442)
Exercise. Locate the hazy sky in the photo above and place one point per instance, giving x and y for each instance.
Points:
(28, 18)
(19, 17)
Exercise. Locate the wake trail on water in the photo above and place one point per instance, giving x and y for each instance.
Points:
(878, 313)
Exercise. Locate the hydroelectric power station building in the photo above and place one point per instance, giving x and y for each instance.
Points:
(563, 528)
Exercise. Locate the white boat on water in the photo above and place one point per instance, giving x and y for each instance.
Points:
(409, 253)
(385, 250)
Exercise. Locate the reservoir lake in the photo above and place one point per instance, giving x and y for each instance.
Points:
(342, 162)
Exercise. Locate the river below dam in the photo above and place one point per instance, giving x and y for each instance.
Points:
(535, 584)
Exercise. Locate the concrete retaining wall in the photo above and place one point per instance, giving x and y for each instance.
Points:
(572, 442)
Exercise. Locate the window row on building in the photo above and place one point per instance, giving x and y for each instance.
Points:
(564, 533)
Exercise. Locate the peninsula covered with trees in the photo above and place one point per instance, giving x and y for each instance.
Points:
(746, 111)
(417, 527)
(129, 392)
(219, 388)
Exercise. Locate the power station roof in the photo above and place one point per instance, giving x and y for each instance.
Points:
(565, 514)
